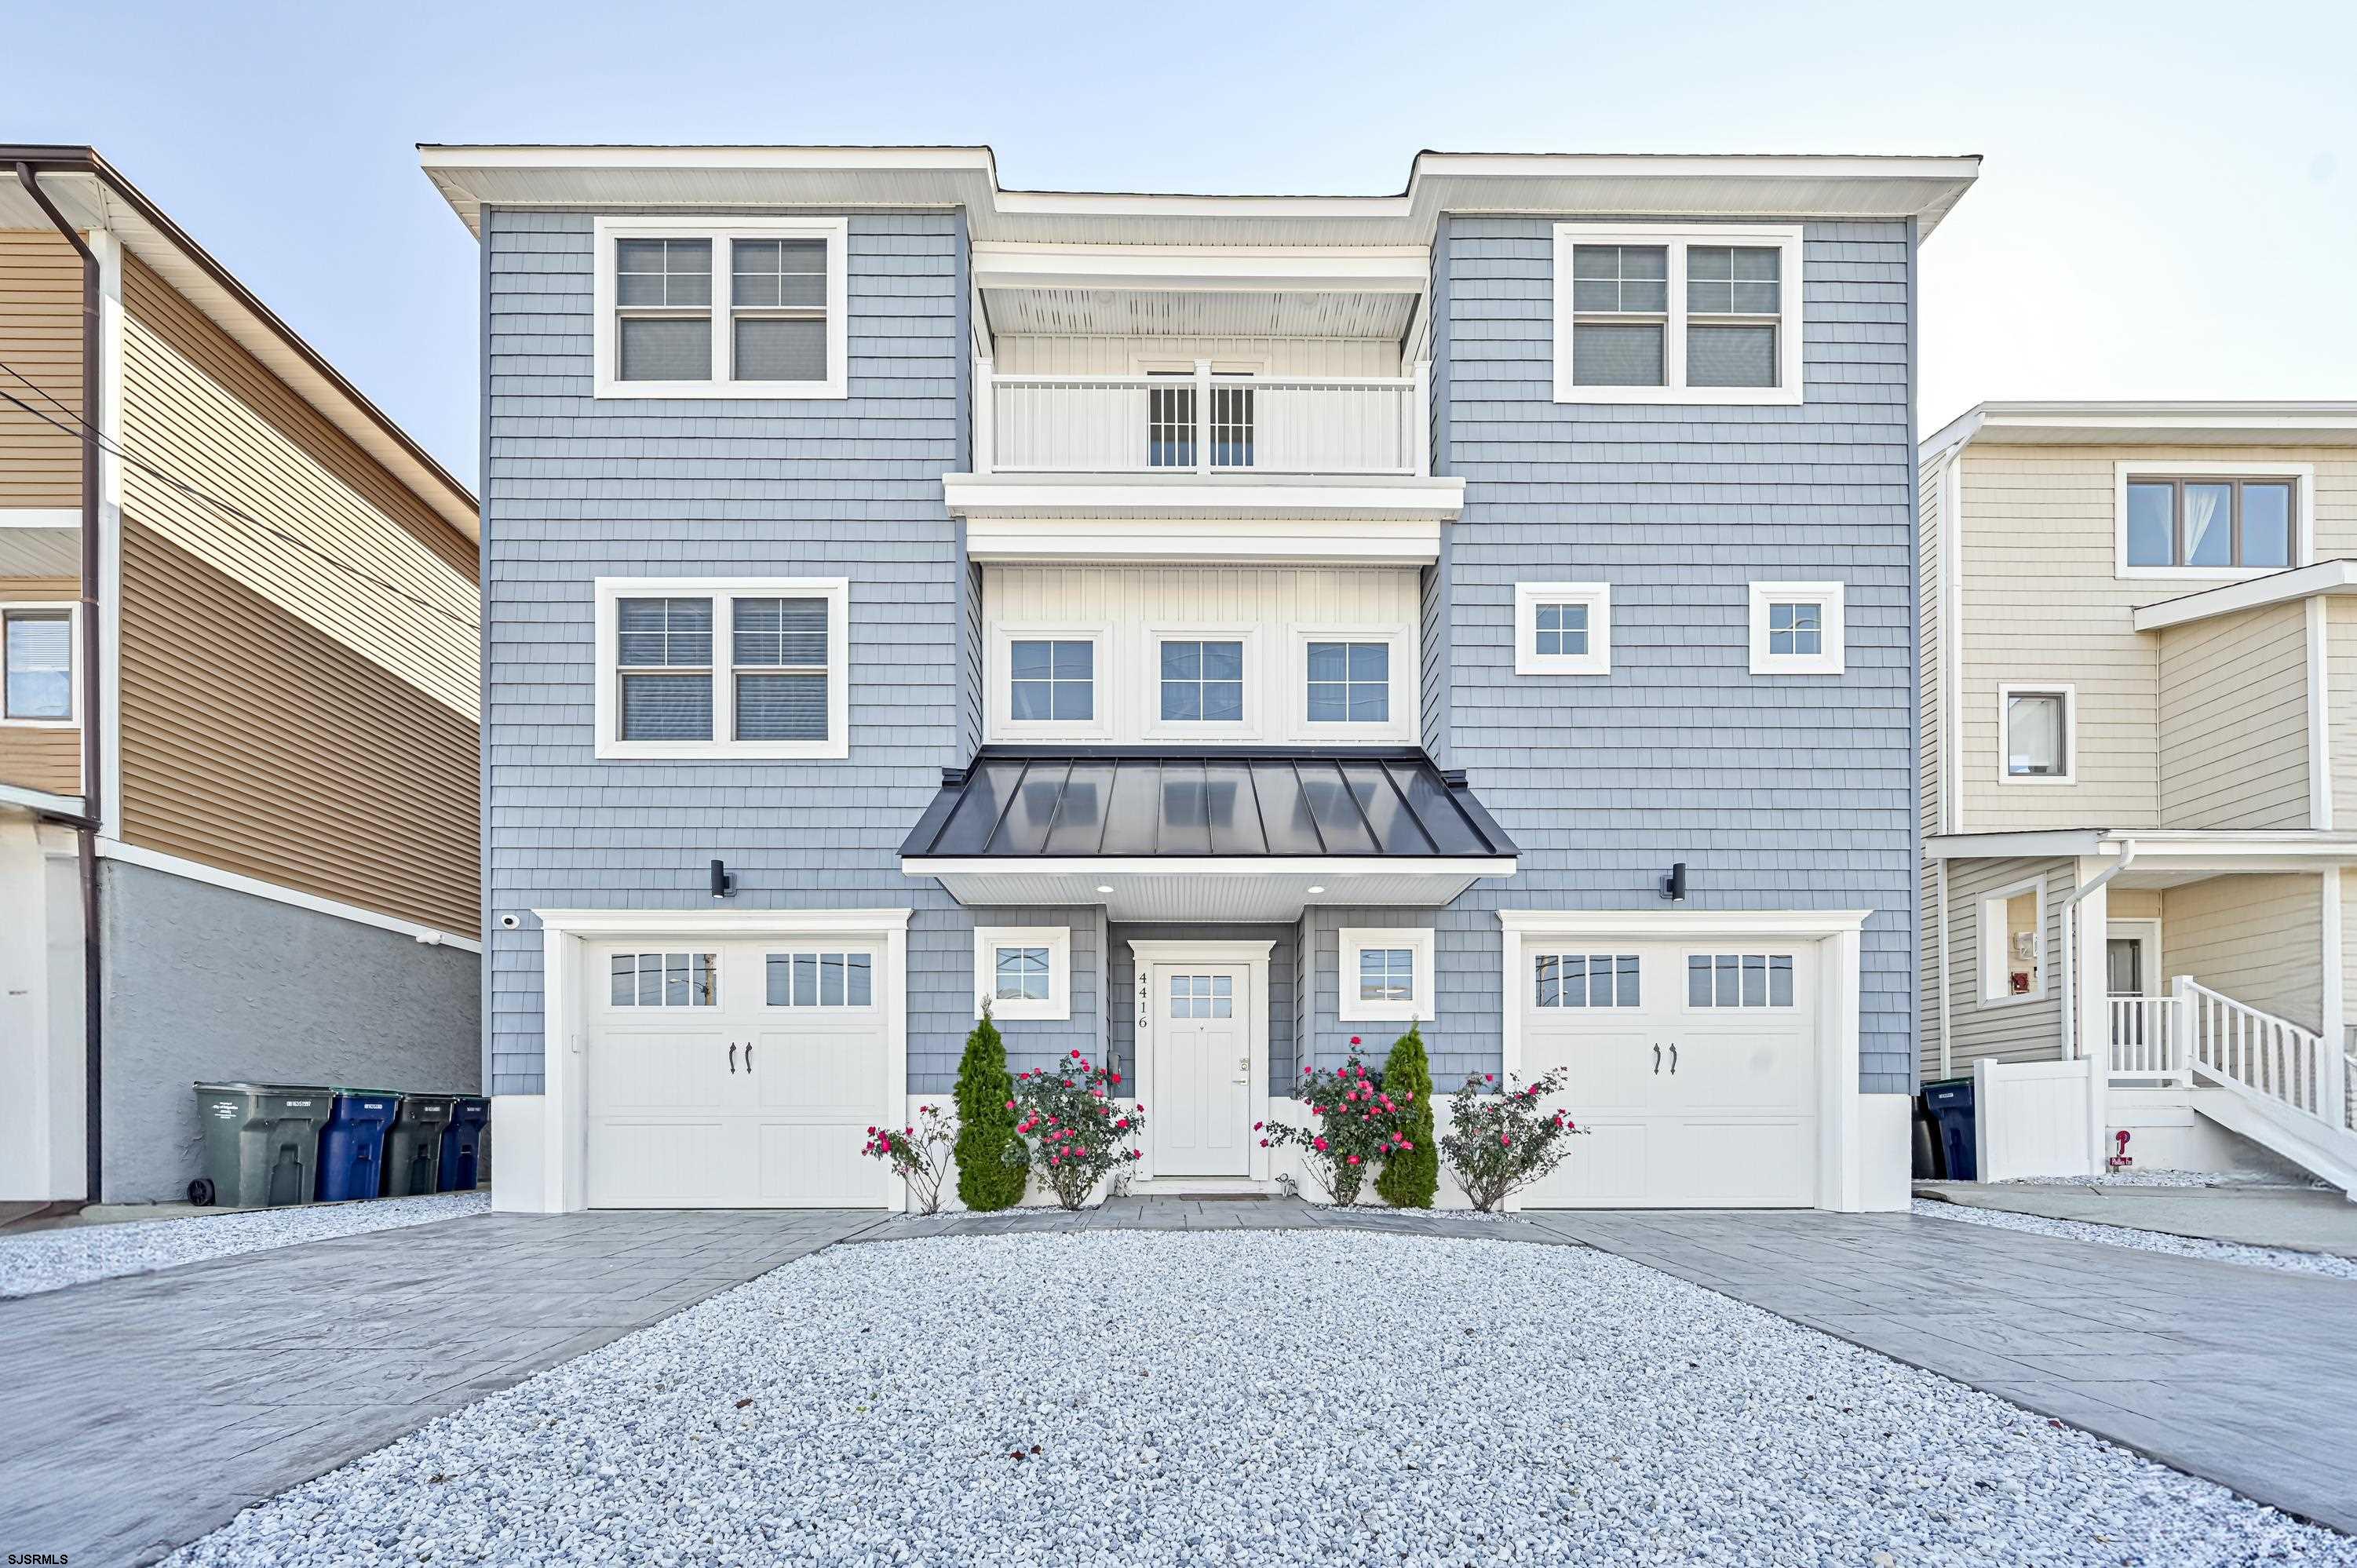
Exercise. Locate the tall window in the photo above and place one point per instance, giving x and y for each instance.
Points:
(662, 292)
(1349, 682)
(2225, 524)
(752, 307)
(1051, 680)
(1677, 312)
(36, 683)
(778, 309)
(1734, 303)
(1621, 294)
(1202, 681)
(2013, 943)
(2038, 739)
(694, 667)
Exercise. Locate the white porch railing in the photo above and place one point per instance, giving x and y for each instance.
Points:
(1201, 424)
(2272, 1057)
(2146, 1043)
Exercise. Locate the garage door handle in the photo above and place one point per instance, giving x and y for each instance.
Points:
(749, 1057)
(1657, 1062)
(732, 1058)
(1673, 1058)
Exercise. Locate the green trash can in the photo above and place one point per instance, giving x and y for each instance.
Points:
(261, 1142)
(412, 1148)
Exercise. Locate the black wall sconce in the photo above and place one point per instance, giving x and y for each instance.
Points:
(1674, 884)
(723, 881)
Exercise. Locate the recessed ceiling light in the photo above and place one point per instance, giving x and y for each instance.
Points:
(1104, 886)
(1317, 890)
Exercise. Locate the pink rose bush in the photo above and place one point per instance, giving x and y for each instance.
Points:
(919, 1155)
(1353, 1125)
(1076, 1131)
(1501, 1139)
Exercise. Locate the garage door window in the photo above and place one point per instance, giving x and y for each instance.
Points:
(821, 980)
(665, 979)
(1740, 979)
(1587, 980)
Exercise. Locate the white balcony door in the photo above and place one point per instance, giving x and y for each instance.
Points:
(1203, 1067)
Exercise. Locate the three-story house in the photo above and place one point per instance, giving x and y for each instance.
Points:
(1207, 630)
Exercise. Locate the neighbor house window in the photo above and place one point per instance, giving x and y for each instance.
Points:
(1563, 629)
(822, 979)
(752, 307)
(1798, 629)
(36, 664)
(1202, 681)
(693, 668)
(1349, 682)
(1385, 974)
(1740, 979)
(1693, 314)
(2038, 724)
(664, 980)
(2209, 523)
(2013, 944)
(1023, 972)
(1587, 980)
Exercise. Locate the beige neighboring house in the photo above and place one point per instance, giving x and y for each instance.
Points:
(238, 801)
(2139, 780)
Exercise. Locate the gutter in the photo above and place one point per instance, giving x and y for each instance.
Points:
(93, 691)
(2069, 1022)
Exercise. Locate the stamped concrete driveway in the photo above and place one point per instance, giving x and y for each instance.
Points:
(142, 1413)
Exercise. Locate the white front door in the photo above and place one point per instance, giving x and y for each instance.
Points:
(1201, 1119)
(1695, 1066)
(738, 1075)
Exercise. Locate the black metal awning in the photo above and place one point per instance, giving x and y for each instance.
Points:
(1122, 804)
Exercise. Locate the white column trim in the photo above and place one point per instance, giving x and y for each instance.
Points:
(2319, 720)
(105, 799)
(2333, 1003)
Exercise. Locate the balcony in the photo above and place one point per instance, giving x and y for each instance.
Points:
(1274, 457)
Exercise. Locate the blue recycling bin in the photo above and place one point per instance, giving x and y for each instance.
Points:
(1949, 1104)
(352, 1145)
(462, 1143)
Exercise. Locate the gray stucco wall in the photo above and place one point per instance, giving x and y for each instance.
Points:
(204, 983)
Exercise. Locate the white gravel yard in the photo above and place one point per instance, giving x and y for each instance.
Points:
(51, 1259)
(2287, 1258)
(1245, 1397)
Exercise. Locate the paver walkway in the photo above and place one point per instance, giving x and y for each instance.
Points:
(2246, 1376)
(2307, 1219)
(142, 1413)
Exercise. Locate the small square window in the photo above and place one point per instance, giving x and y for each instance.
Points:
(1021, 972)
(2038, 725)
(1385, 974)
(1563, 629)
(1349, 682)
(1797, 628)
(1051, 682)
(1202, 681)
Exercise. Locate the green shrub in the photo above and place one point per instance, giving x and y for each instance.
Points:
(1411, 1176)
(993, 1167)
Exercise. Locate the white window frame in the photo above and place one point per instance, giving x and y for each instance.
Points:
(1596, 597)
(1156, 727)
(998, 673)
(1834, 646)
(1406, 682)
(836, 591)
(2005, 693)
(1993, 991)
(1057, 939)
(2303, 515)
(1351, 1008)
(1785, 238)
(721, 231)
(72, 609)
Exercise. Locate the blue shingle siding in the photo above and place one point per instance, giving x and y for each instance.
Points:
(576, 488)
(1789, 792)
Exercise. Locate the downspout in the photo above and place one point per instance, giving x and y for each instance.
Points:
(86, 836)
(2070, 1029)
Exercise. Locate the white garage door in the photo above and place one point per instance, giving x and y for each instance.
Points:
(1694, 1064)
(736, 1075)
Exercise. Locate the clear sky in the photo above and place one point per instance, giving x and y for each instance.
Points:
(2168, 208)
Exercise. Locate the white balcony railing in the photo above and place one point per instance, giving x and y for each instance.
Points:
(1201, 424)
(2148, 1044)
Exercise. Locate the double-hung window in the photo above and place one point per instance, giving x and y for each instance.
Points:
(1678, 314)
(36, 664)
(746, 668)
(750, 307)
(2204, 521)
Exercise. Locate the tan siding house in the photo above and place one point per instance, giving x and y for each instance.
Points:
(280, 684)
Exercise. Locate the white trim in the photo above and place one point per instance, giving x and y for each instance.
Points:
(1831, 657)
(1223, 541)
(1951, 653)
(197, 871)
(2303, 518)
(1057, 939)
(2069, 693)
(1208, 732)
(2145, 931)
(1403, 677)
(2271, 588)
(836, 591)
(1212, 865)
(1033, 265)
(565, 935)
(2332, 1016)
(998, 676)
(1272, 500)
(1352, 1008)
(720, 230)
(1596, 597)
(2319, 720)
(1146, 958)
(1785, 239)
(58, 516)
(2030, 844)
(1842, 1184)
(1940, 957)
(41, 800)
(75, 674)
(105, 801)
(1995, 987)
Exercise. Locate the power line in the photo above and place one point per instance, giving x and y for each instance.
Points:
(227, 509)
